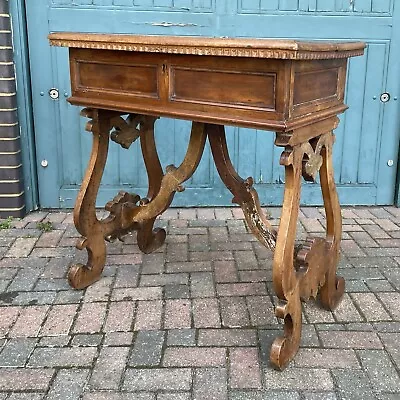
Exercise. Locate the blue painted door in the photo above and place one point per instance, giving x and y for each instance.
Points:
(367, 138)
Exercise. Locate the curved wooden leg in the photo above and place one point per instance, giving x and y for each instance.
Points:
(285, 281)
(313, 268)
(171, 182)
(85, 219)
(148, 239)
(333, 289)
(243, 192)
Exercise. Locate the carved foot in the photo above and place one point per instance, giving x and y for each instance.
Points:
(332, 292)
(150, 239)
(81, 276)
(284, 348)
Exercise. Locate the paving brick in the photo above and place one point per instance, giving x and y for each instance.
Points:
(63, 357)
(16, 352)
(234, 312)
(90, 318)
(99, 291)
(210, 384)
(124, 259)
(370, 307)
(320, 396)
(225, 271)
(177, 314)
(206, 213)
(173, 396)
(326, 358)
(50, 239)
(189, 266)
(147, 349)
(380, 370)
(68, 384)
(261, 310)
(54, 341)
(391, 342)
(392, 303)
(260, 275)
(346, 311)
(227, 337)
(241, 289)
(118, 396)
(118, 339)
(8, 315)
(351, 340)
(127, 276)
(153, 263)
(177, 252)
(59, 320)
(120, 316)
(202, 284)
(164, 279)
(244, 368)
(354, 385)
(206, 313)
(177, 291)
(158, 379)
(87, 339)
(194, 357)
(23, 396)
(299, 379)
(22, 247)
(141, 293)
(25, 279)
(109, 367)
(181, 337)
(261, 395)
(15, 379)
(29, 321)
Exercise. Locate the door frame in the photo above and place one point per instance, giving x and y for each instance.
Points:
(26, 91)
(24, 103)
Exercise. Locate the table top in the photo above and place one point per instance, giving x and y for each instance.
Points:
(213, 46)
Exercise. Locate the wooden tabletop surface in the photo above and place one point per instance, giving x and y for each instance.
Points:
(231, 47)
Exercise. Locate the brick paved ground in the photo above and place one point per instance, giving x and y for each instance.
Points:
(194, 320)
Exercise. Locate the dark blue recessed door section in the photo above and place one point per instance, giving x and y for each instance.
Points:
(366, 149)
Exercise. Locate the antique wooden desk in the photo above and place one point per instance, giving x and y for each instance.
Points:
(293, 88)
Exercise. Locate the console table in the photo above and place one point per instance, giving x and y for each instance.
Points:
(293, 88)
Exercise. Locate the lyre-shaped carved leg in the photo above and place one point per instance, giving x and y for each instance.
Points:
(243, 192)
(148, 239)
(333, 289)
(170, 183)
(85, 219)
(313, 268)
(285, 280)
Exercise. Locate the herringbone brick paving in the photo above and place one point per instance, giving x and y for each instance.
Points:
(195, 320)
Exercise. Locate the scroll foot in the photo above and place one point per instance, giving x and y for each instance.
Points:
(150, 239)
(284, 348)
(81, 276)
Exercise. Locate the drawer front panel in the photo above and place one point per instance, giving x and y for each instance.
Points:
(226, 88)
(135, 79)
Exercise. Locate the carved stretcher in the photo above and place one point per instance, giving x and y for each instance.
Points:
(293, 88)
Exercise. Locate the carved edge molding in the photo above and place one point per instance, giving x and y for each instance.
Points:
(211, 50)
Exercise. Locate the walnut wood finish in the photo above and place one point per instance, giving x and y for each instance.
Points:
(293, 88)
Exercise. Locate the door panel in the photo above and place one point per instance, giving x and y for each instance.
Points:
(366, 137)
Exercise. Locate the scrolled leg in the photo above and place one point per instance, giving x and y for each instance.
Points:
(242, 189)
(150, 239)
(310, 269)
(86, 222)
(286, 283)
(332, 291)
